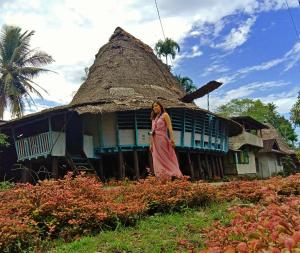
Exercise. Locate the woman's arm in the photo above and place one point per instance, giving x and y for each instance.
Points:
(170, 128)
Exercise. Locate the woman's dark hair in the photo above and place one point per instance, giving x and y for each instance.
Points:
(153, 114)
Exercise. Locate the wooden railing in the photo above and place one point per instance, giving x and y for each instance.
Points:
(34, 146)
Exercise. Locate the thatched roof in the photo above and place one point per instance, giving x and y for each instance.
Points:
(272, 133)
(271, 146)
(249, 123)
(127, 70)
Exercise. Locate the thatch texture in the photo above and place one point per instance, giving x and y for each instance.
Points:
(125, 68)
(272, 133)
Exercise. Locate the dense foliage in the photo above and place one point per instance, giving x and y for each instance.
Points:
(295, 111)
(76, 206)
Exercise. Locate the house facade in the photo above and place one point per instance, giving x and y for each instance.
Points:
(105, 127)
(243, 148)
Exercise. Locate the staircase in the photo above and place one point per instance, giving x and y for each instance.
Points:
(80, 163)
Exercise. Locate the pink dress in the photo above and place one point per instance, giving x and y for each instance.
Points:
(165, 162)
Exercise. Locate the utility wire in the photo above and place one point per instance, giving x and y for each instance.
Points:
(162, 28)
(293, 22)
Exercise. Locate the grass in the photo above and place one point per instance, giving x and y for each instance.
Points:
(157, 233)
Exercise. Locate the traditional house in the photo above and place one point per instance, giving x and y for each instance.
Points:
(270, 157)
(243, 148)
(105, 127)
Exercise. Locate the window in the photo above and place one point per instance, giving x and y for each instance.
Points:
(241, 157)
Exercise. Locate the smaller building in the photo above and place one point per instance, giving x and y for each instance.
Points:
(275, 148)
(243, 148)
(269, 159)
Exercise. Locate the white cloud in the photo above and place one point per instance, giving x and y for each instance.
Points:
(237, 36)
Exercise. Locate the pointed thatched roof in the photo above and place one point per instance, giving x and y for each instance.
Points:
(272, 133)
(126, 72)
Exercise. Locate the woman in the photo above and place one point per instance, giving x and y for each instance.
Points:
(165, 162)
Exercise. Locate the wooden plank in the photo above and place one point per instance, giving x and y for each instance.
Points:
(190, 166)
(136, 164)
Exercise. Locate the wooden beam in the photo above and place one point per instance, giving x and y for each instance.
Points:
(136, 164)
(121, 166)
(190, 166)
(54, 167)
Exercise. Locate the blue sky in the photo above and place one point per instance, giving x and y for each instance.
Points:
(249, 45)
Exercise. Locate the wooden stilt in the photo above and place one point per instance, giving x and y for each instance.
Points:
(221, 166)
(136, 164)
(121, 165)
(101, 169)
(190, 166)
(150, 163)
(213, 166)
(208, 167)
(26, 172)
(218, 166)
(54, 167)
(199, 165)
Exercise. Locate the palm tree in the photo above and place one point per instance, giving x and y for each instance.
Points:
(19, 64)
(167, 47)
(187, 83)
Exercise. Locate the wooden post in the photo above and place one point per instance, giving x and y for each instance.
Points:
(121, 165)
(136, 164)
(150, 162)
(54, 167)
(190, 165)
(101, 171)
(213, 166)
(200, 169)
(217, 166)
(208, 167)
(221, 167)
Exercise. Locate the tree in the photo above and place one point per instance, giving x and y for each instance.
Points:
(265, 113)
(295, 112)
(19, 64)
(187, 83)
(166, 48)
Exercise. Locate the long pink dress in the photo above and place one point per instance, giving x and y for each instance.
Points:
(165, 162)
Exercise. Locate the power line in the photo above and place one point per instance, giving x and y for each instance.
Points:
(162, 28)
(293, 22)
